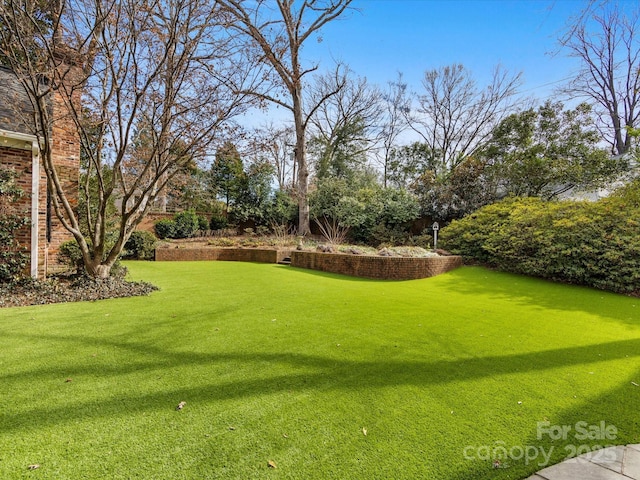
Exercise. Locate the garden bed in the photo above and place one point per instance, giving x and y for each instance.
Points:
(394, 263)
(69, 289)
(379, 267)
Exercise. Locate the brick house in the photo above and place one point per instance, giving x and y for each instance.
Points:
(20, 150)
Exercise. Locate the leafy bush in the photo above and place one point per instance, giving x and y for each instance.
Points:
(183, 225)
(371, 214)
(70, 255)
(218, 221)
(595, 244)
(165, 228)
(13, 256)
(140, 246)
(203, 223)
(283, 209)
(186, 224)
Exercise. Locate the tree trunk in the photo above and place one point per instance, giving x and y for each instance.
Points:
(301, 161)
(97, 269)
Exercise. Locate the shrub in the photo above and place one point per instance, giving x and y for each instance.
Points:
(369, 213)
(218, 221)
(203, 223)
(70, 255)
(140, 246)
(262, 230)
(594, 244)
(186, 224)
(165, 229)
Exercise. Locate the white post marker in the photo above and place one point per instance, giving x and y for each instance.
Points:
(435, 227)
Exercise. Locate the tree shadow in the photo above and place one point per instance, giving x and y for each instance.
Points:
(569, 434)
(527, 291)
(304, 373)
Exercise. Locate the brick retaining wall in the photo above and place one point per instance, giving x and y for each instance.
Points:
(393, 268)
(223, 254)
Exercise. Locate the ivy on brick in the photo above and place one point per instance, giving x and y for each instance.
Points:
(13, 255)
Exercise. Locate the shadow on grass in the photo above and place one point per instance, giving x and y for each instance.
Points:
(523, 290)
(545, 446)
(326, 373)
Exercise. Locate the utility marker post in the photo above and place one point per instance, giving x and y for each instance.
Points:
(435, 227)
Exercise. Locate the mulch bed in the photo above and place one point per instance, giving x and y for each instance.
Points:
(69, 289)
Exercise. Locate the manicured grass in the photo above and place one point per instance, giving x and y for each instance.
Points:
(285, 365)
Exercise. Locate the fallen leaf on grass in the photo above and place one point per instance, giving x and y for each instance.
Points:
(364, 431)
(181, 405)
(68, 380)
(271, 464)
(33, 467)
(285, 435)
(232, 428)
(635, 384)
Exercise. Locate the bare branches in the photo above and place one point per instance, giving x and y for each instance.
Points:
(454, 117)
(606, 41)
(346, 121)
(278, 35)
(150, 105)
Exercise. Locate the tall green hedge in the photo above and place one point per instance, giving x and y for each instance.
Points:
(587, 243)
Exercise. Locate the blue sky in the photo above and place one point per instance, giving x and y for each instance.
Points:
(381, 37)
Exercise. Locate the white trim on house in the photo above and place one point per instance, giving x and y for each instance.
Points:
(25, 141)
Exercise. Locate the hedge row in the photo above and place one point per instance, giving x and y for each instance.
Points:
(588, 243)
(183, 225)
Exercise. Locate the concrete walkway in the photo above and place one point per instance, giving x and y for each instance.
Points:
(613, 463)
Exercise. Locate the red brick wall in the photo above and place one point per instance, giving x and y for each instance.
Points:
(65, 152)
(148, 222)
(19, 161)
(393, 268)
(224, 254)
(66, 157)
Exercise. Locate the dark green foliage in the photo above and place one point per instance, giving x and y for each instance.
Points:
(594, 244)
(71, 255)
(406, 164)
(283, 209)
(140, 246)
(183, 225)
(203, 223)
(218, 221)
(253, 194)
(186, 224)
(227, 172)
(342, 154)
(374, 215)
(546, 151)
(13, 256)
(165, 228)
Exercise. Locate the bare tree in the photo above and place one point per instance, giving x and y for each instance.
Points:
(606, 41)
(397, 107)
(149, 103)
(345, 126)
(454, 117)
(279, 34)
(275, 145)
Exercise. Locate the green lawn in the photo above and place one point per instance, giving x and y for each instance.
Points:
(289, 366)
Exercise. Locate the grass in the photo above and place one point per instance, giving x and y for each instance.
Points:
(286, 365)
